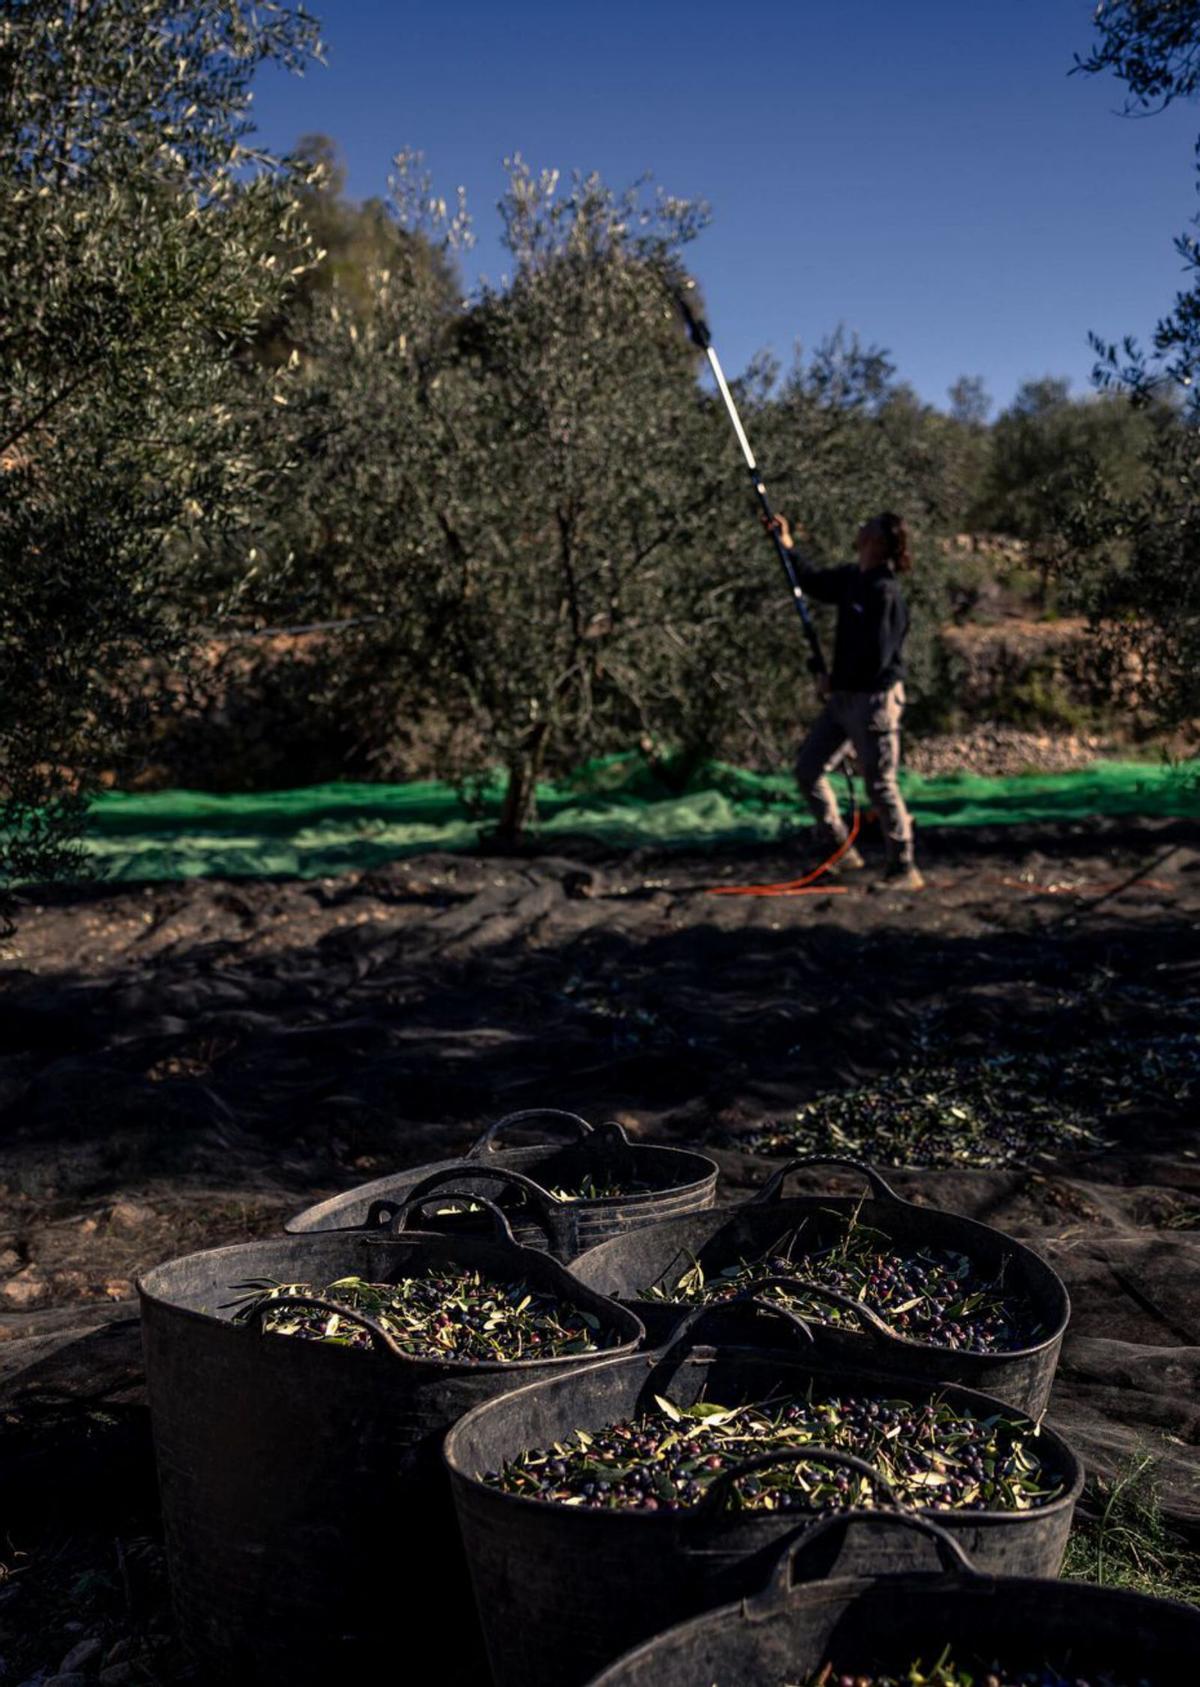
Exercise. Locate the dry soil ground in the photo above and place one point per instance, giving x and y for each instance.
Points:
(186, 1064)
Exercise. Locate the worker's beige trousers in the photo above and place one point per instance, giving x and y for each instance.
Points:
(870, 722)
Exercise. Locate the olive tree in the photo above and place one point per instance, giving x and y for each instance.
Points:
(140, 241)
(1136, 568)
(1042, 447)
(365, 463)
(587, 482)
(1144, 542)
(501, 498)
(524, 514)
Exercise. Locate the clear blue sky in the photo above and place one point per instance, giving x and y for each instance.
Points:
(926, 173)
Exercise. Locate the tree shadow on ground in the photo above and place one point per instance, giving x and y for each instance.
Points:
(401, 1015)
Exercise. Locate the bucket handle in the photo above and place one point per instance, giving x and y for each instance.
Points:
(487, 1142)
(380, 1339)
(613, 1131)
(774, 1594)
(691, 1333)
(717, 1497)
(406, 1209)
(772, 1189)
(551, 1215)
(869, 1321)
(383, 1212)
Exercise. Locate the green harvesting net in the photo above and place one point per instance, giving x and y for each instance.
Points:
(328, 829)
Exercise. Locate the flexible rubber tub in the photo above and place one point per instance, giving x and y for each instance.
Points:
(309, 1529)
(626, 1267)
(676, 1181)
(563, 1590)
(868, 1625)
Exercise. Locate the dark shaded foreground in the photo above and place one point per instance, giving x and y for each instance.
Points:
(182, 1065)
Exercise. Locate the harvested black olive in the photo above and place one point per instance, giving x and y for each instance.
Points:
(934, 1456)
(457, 1315)
(933, 1294)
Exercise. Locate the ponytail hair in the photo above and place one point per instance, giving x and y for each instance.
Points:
(895, 536)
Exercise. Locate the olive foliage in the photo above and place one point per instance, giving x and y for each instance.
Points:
(1144, 539)
(238, 399)
(140, 240)
(1043, 448)
(526, 511)
(503, 494)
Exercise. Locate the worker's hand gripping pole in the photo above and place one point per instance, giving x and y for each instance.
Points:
(703, 339)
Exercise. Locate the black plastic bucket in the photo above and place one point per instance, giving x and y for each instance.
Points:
(562, 1591)
(673, 1180)
(869, 1625)
(309, 1528)
(624, 1267)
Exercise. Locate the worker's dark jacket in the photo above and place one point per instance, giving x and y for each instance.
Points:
(872, 623)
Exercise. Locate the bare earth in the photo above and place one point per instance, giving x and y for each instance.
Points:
(182, 1065)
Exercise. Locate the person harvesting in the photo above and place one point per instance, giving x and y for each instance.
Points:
(864, 691)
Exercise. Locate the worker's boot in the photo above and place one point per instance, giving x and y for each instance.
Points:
(849, 861)
(901, 875)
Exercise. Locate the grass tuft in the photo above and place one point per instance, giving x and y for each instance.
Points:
(1128, 1543)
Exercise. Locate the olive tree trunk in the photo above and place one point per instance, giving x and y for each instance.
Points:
(520, 797)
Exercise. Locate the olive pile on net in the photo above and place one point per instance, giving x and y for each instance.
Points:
(1005, 1110)
(946, 1673)
(928, 1294)
(459, 1315)
(934, 1455)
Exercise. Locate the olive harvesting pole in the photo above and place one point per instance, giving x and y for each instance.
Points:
(698, 330)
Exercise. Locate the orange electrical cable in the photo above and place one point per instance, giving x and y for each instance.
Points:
(805, 886)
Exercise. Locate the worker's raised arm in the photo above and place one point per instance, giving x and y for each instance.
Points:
(826, 585)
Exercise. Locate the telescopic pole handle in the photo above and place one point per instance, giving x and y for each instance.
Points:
(817, 655)
(703, 339)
